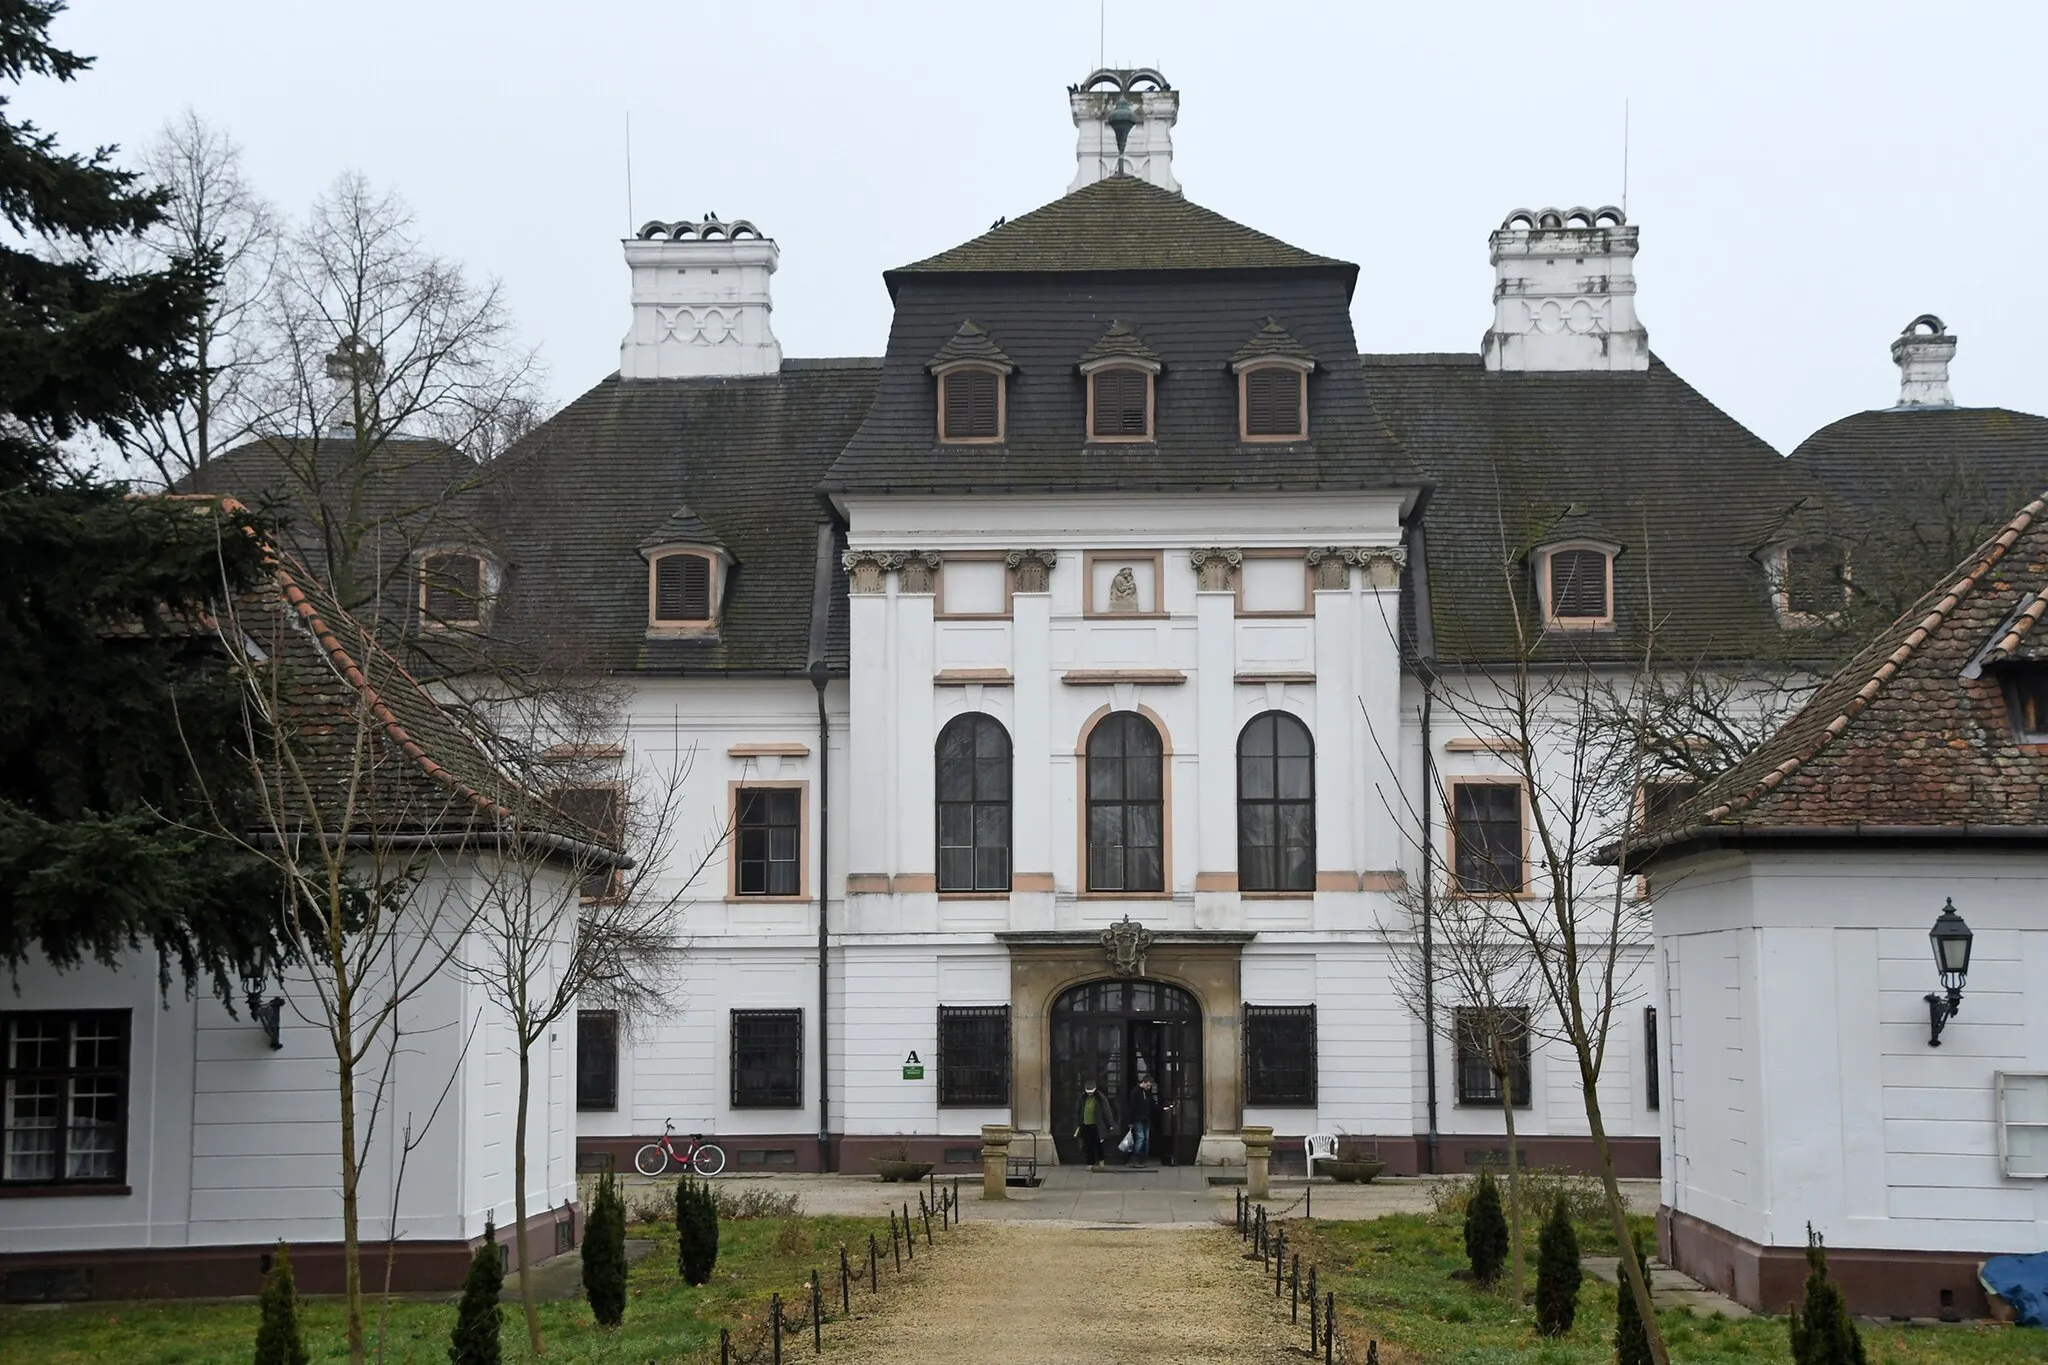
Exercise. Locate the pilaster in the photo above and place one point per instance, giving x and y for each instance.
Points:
(869, 779)
(1215, 850)
(1032, 806)
(1377, 680)
(1337, 773)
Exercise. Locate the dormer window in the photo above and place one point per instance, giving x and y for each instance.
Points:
(2026, 701)
(1120, 404)
(454, 589)
(683, 588)
(971, 404)
(1273, 403)
(1810, 582)
(1576, 582)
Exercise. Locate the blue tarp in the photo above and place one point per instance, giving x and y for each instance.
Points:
(2021, 1281)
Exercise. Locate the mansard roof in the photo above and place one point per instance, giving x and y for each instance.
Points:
(1119, 223)
(1909, 738)
(1688, 493)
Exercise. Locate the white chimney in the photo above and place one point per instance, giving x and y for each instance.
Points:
(1922, 354)
(700, 301)
(1148, 151)
(1564, 293)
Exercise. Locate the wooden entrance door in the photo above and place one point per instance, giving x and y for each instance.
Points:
(1116, 1033)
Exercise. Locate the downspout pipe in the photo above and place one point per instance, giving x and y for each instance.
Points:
(820, 675)
(1425, 669)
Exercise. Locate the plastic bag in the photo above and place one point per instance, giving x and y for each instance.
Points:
(1130, 1142)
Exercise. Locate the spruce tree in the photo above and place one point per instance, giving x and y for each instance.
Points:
(478, 1317)
(1822, 1331)
(117, 705)
(696, 1230)
(278, 1339)
(1486, 1230)
(1631, 1342)
(604, 1255)
(1557, 1273)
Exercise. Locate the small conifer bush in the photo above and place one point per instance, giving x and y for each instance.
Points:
(1557, 1273)
(1631, 1342)
(478, 1317)
(278, 1339)
(604, 1255)
(1486, 1230)
(1822, 1331)
(696, 1230)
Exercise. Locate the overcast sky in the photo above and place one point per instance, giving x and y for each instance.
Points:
(1807, 176)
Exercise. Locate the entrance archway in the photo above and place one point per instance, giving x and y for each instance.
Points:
(1116, 1033)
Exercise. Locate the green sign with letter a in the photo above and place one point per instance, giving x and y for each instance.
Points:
(913, 1069)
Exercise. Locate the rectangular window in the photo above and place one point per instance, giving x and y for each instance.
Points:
(974, 1055)
(2023, 1124)
(1280, 1054)
(1272, 402)
(1816, 579)
(767, 1059)
(1487, 833)
(1122, 398)
(971, 403)
(452, 589)
(1651, 1098)
(1485, 1037)
(597, 1059)
(1578, 585)
(64, 1083)
(768, 828)
(682, 588)
(599, 808)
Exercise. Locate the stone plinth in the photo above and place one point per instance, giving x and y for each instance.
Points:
(995, 1160)
(1258, 1158)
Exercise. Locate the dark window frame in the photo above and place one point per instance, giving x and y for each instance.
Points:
(1248, 848)
(757, 1036)
(1133, 422)
(1476, 1083)
(440, 592)
(1652, 1086)
(988, 874)
(66, 1076)
(1121, 726)
(1463, 842)
(1252, 404)
(992, 417)
(602, 1081)
(757, 811)
(601, 885)
(1569, 607)
(2025, 689)
(671, 603)
(974, 1056)
(1280, 1056)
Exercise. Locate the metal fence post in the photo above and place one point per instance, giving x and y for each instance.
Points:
(775, 1330)
(1294, 1292)
(724, 1346)
(817, 1315)
(956, 1199)
(909, 1240)
(895, 1247)
(1315, 1313)
(1329, 1328)
(874, 1265)
(845, 1284)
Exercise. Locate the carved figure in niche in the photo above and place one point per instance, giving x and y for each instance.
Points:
(1123, 590)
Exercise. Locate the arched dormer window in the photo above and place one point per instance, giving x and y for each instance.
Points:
(455, 588)
(1575, 584)
(971, 404)
(1272, 401)
(1120, 402)
(683, 589)
(1809, 581)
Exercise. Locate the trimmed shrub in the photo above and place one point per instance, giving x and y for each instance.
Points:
(604, 1255)
(1557, 1273)
(696, 1230)
(1822, 1331)
(279, 1340)
(478, 1317)
(1631, 1342)
(1486, 1230)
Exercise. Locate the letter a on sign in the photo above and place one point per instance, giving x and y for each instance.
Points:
(913, 1069)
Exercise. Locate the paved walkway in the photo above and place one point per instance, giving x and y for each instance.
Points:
(1670, 1288)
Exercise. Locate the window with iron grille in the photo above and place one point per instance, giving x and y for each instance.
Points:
(1487, 838)
(974, 1055)
(597, 1059)
(682, 588)
(1280, 1054)
(599, 808)
(972, 404)
(974, 804)
(452, 589)
(1126, 847)
(1816, 579)
(1122, 403)
(1272, 401)
(1276, 805)
(1651, 1099)
(1480, 1032)
(64, 1083)
(767, 1059)
(768, 828)
(1578, 585)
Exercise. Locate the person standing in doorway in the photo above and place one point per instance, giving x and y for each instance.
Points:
(1144, 1113)
(1098, 1124)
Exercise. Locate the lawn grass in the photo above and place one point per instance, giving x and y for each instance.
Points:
(1393, 1278)
(665, 1319)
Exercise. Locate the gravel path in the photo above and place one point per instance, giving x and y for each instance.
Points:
(1050, 1294)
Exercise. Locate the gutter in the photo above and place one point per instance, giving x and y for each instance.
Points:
(1707, 837)
(552, 843)
(821, 620)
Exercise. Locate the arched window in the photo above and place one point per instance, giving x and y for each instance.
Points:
(1120, 404)
(974, 805)
(1276, 805)
(682, 589)
(1126, 806)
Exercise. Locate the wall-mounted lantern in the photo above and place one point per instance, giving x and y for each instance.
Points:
(1951, 939)
(268, 1014)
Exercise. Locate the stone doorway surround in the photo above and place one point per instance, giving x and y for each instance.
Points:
(1205, 962)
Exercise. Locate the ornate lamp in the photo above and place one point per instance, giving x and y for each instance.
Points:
(1952, 940)
(268, 1014)
(1122, 118)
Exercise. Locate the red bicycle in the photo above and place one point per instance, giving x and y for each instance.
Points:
(705, 1158)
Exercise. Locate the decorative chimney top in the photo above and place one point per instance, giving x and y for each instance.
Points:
(1564, 293)
(701, 301)
(355, 372)
(1922, 353)
(1125, 118)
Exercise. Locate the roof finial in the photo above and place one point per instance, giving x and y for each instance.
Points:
(1122, 118)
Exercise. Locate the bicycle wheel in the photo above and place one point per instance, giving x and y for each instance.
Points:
(710, 1159)
(651, 1159)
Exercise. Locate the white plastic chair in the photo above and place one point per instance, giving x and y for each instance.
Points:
(1319, 1147)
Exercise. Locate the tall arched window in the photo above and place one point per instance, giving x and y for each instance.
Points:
(1276, 805)
(974, 805)
(1126, 806)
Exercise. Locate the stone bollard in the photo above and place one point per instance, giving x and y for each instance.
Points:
(995, 1160)
(1258, 1158)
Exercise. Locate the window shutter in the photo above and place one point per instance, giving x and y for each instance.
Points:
(1813, 579)
(454, 588)
(1120, 403)
(1272, 402)
(1578, 584)
(682, 588)
(971, 404)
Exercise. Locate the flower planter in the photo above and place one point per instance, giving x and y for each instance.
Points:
(908, 1172)
(1351, 1172)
